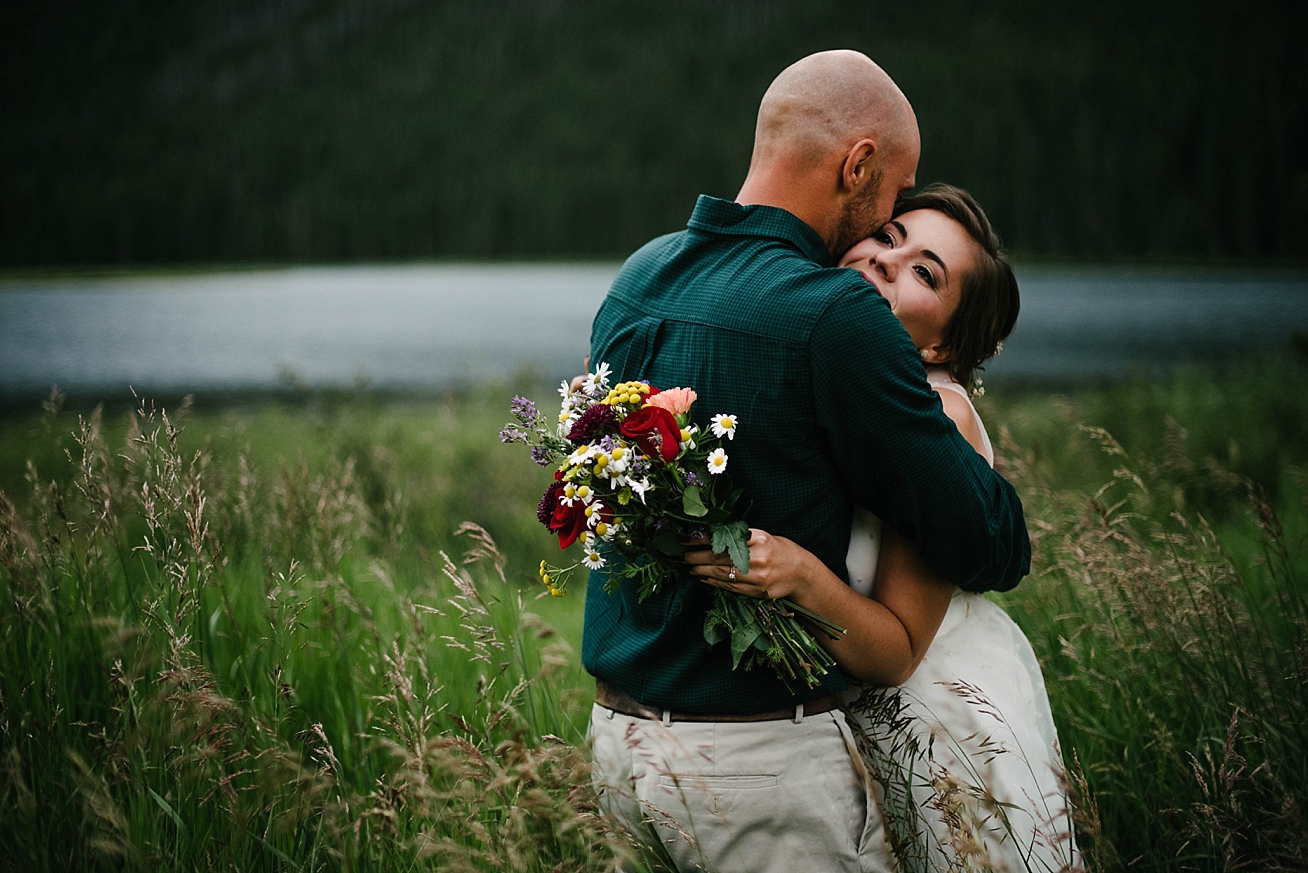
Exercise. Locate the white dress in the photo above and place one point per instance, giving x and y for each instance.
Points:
(965, 751)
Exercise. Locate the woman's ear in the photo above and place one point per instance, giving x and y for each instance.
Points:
(933, 354)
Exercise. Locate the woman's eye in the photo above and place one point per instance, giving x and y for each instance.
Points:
(926, 275)
(883, 237)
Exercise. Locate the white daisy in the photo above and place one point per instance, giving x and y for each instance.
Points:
(724, 426)
(564, 389)
(639, 488)
(593, 510)
(619, 460)
(717, 461)
(568, 414)
(593, 559)
(581, 454)
(688, 438)
(597, 383)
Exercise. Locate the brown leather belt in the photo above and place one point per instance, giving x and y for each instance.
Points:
(611, 697)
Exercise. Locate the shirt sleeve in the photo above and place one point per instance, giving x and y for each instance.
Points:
(902, 458)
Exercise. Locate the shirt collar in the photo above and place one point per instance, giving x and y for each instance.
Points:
(729, 218)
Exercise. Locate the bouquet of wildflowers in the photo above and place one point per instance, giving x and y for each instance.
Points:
(635, 479)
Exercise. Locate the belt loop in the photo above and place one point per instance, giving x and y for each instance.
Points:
(611, 713)
(667, 718)
(799, 713)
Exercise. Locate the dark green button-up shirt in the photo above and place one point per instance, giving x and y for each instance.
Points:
(834, 409)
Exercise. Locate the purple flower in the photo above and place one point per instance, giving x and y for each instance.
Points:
(691, 478)
(592, 423)
(540, 456)
(525, 411)
(512, 434)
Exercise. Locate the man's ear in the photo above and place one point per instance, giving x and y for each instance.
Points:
(860, 161)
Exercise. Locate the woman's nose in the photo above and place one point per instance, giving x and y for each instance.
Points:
(884, 263)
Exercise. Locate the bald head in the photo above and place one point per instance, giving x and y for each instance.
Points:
(836, 144)
(825, 102)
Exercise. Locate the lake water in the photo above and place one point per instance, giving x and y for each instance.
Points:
(427, 326)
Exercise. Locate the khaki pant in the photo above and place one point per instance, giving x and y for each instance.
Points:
(751, 797)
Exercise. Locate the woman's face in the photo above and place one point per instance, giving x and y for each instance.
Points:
(917, 261)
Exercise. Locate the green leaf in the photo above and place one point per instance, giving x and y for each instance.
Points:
(667, 542)
(743, 635)
(733, 538)
(715, 632)
(692, 503)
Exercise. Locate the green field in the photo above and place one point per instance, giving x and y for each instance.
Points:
(246, 636)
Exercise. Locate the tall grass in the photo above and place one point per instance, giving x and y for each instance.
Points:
(232, 638)
(203, 671)
(1178, 675)
(1169, 612)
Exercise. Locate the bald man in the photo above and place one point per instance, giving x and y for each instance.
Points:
(730, 770)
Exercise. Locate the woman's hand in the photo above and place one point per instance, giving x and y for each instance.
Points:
(777, 566)
(885, 638)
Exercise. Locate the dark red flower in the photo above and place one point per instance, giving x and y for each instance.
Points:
(655, 431)
(548, 500)
(592, 423)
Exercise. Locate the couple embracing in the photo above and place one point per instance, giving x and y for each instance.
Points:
(843, 324)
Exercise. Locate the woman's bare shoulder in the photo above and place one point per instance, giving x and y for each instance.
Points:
(960, 410)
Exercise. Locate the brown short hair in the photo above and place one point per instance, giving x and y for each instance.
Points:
(988, 300)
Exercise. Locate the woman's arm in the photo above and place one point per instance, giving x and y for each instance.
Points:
(886, 637)
(887, 634)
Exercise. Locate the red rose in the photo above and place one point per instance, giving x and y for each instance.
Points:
(655, 431)
(569, 522)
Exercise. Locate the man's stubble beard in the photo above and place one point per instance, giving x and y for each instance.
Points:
(858, 218)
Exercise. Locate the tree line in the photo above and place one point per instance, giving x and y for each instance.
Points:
(145, 131)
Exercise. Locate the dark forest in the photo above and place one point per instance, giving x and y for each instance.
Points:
(239, 131)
